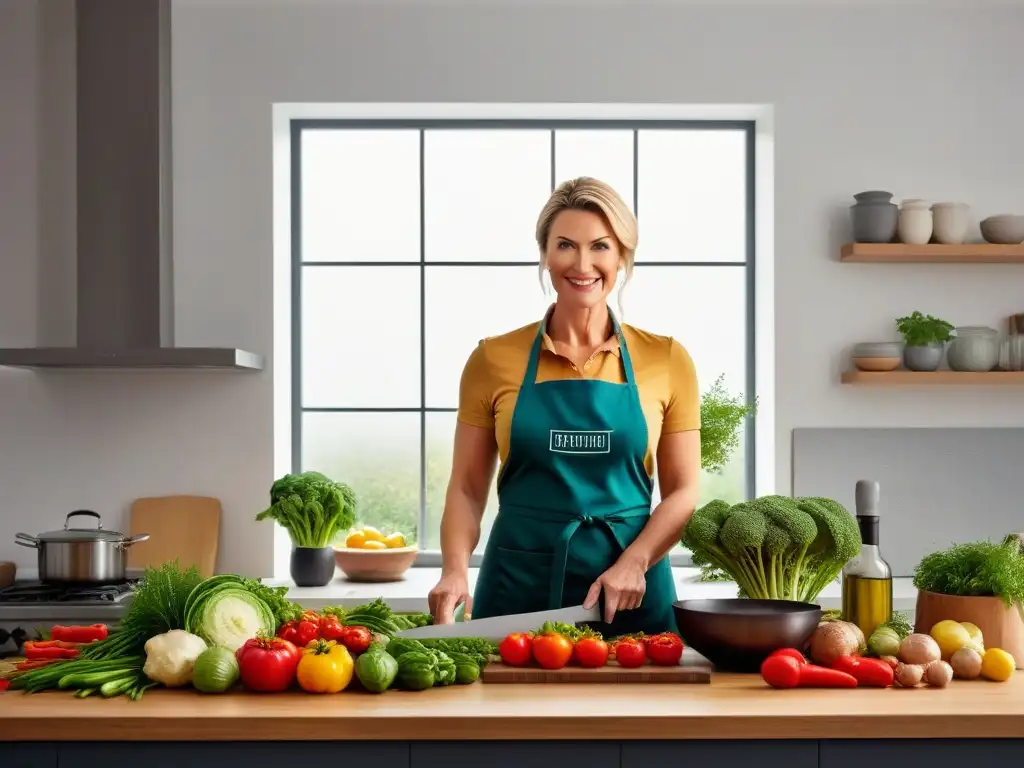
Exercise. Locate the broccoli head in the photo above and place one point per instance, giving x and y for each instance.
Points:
(775, 547)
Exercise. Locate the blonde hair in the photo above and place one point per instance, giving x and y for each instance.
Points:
(588, 194)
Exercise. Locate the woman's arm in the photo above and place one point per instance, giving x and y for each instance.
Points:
(679, 480)
(473, 463)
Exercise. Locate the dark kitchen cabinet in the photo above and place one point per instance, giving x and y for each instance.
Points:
(224, 753)
(515, 754)
(936, 753)
(722, 754)
(28, 755)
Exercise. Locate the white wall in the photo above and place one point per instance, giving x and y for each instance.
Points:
(915, 100)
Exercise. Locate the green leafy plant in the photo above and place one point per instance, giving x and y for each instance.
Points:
(921, 330)
(311, 507)
(976, 569)
(721, 415)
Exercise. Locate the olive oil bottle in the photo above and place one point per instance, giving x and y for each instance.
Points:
(867, 578)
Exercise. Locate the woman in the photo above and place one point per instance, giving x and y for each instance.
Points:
(576, 407)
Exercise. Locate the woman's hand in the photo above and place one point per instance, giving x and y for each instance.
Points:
(624, 585)
(451, 591)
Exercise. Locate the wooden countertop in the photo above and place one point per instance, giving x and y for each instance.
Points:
(731, 707)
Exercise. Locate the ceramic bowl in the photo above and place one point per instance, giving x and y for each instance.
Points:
(1004, 229)
(375, 565)
(877, 356)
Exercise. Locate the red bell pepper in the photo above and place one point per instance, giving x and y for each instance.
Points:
(79, 634)
(873, 673)
(51, 649)
(782, 671)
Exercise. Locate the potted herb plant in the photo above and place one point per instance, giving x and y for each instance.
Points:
(312, 508)
(924, 338)
(980, 582)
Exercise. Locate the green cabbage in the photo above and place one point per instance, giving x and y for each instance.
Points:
(230, 615)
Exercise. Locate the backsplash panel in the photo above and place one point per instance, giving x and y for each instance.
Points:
(938, 486)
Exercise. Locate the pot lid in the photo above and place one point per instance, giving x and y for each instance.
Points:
(71, 533)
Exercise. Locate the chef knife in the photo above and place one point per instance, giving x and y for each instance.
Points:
(497, 627)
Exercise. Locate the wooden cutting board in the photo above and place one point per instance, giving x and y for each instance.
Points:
(182, 527)
(695, 669)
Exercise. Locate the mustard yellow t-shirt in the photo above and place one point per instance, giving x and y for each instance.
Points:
(662, 368)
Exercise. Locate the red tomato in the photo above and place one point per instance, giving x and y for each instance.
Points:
(665, 650)
(552, 650)
(630, 653)
(289, 631)
(306, 632)
(517, 649)
(331, 628)
(590, 652)
(356, 639)
(267, 664)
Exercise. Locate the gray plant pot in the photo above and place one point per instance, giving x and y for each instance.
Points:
(926, 358)
(874, 217)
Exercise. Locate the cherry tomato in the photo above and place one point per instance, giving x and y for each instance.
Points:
(630, 653)
(665, 650)
(590, 652)
(516, 649)
(356, 639)
(267, 664)
(331, 629)
(552, 650)
(307, 631)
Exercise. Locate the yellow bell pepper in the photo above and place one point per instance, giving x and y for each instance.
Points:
(325, 667)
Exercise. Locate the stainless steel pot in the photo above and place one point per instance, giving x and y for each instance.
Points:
(81, 555)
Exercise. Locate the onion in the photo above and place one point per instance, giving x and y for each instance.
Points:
(833, 639)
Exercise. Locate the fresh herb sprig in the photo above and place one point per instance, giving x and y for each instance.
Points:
(721, 416)
(975, 569)
(920, 330)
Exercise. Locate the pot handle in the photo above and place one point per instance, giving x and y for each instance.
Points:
(84, 513)
(26, 541)
(133, 540)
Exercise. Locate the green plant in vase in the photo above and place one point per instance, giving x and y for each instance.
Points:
(924, 339)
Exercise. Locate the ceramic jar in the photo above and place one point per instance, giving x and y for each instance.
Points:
(974, 348)
(874, 217)
(915, 222)
(924, 358)
(949, 222)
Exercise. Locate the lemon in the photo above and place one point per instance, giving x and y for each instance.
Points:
(355, 540)
(997, 665)
(374, 545)
(372, 534)
(977, 638)
(394, 541)
(951, 637)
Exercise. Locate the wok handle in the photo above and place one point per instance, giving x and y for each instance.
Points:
(26, 541)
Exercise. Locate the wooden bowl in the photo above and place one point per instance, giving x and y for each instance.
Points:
(375, 565)
(1000, 625)
(876, 363)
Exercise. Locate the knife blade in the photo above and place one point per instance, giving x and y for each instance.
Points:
(497, 627)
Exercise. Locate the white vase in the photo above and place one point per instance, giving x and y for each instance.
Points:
(915, 226)
(949, 222)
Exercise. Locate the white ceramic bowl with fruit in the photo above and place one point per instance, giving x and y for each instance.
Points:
(369, 555)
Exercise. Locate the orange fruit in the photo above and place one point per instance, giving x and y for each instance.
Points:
(374, 545)
(355, 540)
(372, 534)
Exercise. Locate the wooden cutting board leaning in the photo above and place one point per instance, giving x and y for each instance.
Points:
(186, 528)
(693, 668)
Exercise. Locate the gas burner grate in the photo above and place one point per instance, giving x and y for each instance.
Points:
(38, 592)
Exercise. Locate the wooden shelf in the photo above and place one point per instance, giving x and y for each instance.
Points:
(933, 253)
(945, 378)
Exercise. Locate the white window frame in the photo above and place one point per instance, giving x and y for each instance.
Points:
(287, 119)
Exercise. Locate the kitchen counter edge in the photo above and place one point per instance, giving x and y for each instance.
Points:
(731, 707)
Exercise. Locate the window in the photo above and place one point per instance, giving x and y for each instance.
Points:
(412, 240)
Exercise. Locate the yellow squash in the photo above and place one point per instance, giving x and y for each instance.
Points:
(325, 667)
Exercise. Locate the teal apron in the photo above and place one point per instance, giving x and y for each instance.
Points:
(573, 494)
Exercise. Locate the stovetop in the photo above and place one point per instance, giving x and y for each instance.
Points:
(38, 593)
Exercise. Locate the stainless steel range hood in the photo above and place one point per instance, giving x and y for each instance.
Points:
(125, 310)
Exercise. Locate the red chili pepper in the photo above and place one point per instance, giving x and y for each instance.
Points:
(79, 634)
(29, 664)
(781, 671)
(51, 649)
(306, 632)
(332, 629)
(4, 685)
(873, 673)
(792, 653)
